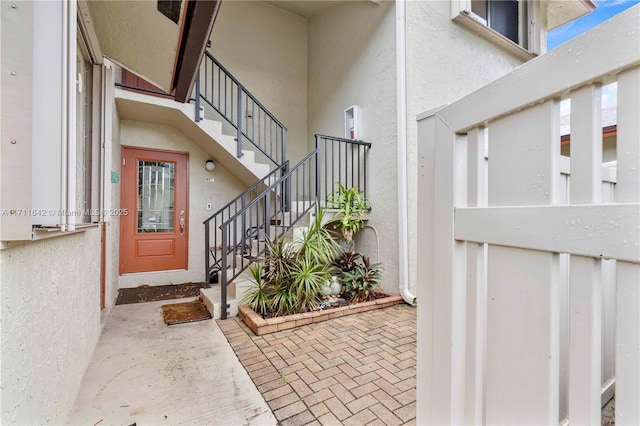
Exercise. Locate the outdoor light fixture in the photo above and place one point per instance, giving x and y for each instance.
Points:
(210, 165)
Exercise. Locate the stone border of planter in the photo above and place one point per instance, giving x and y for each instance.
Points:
(261, 325)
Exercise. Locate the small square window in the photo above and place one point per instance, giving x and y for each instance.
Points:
(506, 22)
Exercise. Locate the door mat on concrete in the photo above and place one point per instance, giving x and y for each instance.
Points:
(179, 313)
(147, 293)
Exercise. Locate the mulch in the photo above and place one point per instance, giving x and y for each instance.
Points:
(147, 293)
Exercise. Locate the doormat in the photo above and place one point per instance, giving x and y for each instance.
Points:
(178, 313)
(147, 293)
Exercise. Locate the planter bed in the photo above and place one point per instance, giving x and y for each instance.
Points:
(261, 325)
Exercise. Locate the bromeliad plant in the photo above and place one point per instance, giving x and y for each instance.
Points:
(352, 205)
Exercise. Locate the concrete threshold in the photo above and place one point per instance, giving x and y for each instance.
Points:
(148, 373)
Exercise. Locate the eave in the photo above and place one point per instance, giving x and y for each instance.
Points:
(139, 37)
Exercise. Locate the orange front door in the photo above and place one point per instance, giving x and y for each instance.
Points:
(154, 233)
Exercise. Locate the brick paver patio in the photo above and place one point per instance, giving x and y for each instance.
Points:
(354, 370)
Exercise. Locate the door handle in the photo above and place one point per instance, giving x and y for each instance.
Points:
(181, 226)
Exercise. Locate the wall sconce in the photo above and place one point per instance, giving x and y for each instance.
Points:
(210, 165)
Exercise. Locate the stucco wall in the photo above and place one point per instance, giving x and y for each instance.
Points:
(352, 61)
(223, 189)
(265, 48)
(112, 248)
(444, 62)
(50, 324)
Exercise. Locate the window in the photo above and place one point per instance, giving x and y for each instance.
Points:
(84, 146)
(509, 23)
(502, 16)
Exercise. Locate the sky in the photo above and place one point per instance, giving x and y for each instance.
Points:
(605, 10)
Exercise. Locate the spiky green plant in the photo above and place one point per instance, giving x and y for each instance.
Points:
(352, 205)
(316, 242)
(307, 278)
(284, 299)
(258, 297)
(278, 261)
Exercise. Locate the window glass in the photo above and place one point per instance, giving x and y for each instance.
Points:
(155, 196)
(83, 135)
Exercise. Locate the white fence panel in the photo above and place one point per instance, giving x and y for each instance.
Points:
(523, 259)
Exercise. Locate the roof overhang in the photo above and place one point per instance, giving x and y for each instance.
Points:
(559, 12)
(164, 52)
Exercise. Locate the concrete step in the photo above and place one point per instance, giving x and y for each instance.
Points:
(235, 292)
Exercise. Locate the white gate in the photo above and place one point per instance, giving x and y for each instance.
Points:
(515, 269)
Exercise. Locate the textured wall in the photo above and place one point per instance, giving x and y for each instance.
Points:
(444, 62)
(352, 61)
(113, 224)
(50, 324)
(266, 49)
(224, 188)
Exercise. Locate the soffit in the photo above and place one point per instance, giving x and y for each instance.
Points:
(139, 37)
(559, 12)
(306, 8)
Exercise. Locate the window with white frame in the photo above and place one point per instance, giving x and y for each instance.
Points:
(512, 24)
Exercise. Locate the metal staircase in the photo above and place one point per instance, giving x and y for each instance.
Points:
(237, 234)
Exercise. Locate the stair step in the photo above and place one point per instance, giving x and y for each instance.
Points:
(235, 292)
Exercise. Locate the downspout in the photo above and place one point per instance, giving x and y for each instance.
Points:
(401, 110)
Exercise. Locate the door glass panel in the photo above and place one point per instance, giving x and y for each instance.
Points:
(155, 196)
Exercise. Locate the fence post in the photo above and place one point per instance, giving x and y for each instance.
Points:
(239, 113)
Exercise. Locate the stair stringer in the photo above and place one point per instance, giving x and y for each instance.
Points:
(207, 134)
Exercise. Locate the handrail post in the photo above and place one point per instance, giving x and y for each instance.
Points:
(207, 263)
(284, 145)
(287, 187)
(239, 145)
(267, 218)
(198, 117)
(223, 274)
(318, 183)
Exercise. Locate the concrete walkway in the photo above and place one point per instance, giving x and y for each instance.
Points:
(146, 372)
(354, 370)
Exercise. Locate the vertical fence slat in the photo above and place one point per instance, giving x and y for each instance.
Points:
(476, 285)
(523, 337)
(585, 282)
(628, 275)
(448, 283)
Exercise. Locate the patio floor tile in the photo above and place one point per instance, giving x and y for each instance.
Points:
(358, 369)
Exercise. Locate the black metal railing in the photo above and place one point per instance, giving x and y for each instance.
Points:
(245, 235)
(213, 244)
(252, 121)
(340, 161)
(242, 237)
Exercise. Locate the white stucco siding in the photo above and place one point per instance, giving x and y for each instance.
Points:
(224, 188)
(50, 324)
(113, 223)
(265, 48)
(444, 62)
(352, 61)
